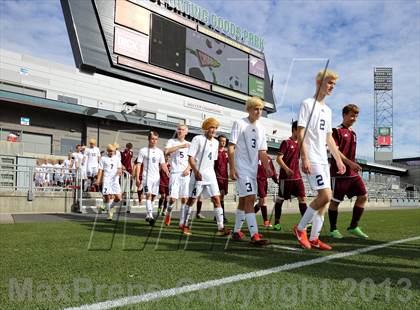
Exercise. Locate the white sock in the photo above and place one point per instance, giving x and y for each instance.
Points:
(239, 220)
(169, 208)
(182, 216)
(218, 213)
(251, 219)
(187, 215)
(317, 223)
(149, 208)
(109, 205)
(113, 204)
(306, 218)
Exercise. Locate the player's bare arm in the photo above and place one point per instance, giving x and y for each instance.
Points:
(282, 164)
(165, 169)
(172, 149)
(231, 157)
(306, 165)
(193, 165)
(335, 153)
(99, 177)
(353, 165)
(187, 170)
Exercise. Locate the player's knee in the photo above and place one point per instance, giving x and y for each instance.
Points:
(361, 199)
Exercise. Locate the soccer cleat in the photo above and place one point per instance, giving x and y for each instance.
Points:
(167, 219)
(147, 219)
(258, 241)
(223, 232)
(302, 237)
(277, 227)
(238, 236)
(181, 226)
(357, 232)
(152, 221)
(200, 216)
(267, 224)
(335, 234)
(109, 218)
(317, 244)
(186, 231)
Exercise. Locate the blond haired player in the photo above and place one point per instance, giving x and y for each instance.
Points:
(109, 175)
(153, 160)
(315, 120)
(247, 145)
(201, 156)
(93, 155)
(180, 170)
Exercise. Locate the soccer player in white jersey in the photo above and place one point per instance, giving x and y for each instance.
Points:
(77, 159)
(153, 160)
(110, 172)
(93, 155)
(180, 170)
(247, 145)
(202, 153)
(314, 157)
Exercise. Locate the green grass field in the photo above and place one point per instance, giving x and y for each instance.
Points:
(48, 265)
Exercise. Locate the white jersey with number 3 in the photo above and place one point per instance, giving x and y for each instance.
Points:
(205, 152)
(249, 139)
(179, 158)
(316, 130)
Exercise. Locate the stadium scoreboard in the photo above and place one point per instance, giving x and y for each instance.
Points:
(173, 45)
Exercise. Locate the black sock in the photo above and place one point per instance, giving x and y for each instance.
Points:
(199, 205)
(256, 208)
(357, 214)
(302, 208)
(222, 203)
(160, 202)
(332, 215)
(277, 211)
(264, 213)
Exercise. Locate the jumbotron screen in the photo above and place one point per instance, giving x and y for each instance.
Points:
(143, 37)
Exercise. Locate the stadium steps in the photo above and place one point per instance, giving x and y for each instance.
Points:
(91, 206)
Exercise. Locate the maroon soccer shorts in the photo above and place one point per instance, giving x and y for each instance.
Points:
(223, 185)
(163, 189)
(262, 187)
(289, 188)
(350, 186)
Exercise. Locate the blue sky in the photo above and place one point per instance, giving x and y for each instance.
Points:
(355, 36)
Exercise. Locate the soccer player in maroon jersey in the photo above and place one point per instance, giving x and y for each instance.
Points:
(221, 168)
(126, 158)
(138, 171)
(290, 180)
(164, 187)
(350, 183)
(262, 184)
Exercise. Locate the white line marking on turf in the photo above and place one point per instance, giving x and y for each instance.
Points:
(276, 246)
(130, 300)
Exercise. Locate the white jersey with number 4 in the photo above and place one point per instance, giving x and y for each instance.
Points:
(179, 158)
(249, 139)
(316, 130)
(151, 158)
(205, 152)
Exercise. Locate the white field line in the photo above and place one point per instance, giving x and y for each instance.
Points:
(276, 246)
(130, 300)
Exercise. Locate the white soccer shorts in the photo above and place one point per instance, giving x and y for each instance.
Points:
(179, 185)
(111, 188)
(320, 177)
(246, 186)
(92, 172)
(206, 190)
(151, 187)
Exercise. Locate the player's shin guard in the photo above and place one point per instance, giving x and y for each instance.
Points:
(187, 212)
(357, 214)
(332, 215)
(302, 208)
(218, 213)
(239, 220)
(264, 213)
(251, 219)
(169, 208)
(317, 223)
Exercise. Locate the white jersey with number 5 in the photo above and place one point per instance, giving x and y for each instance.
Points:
(151, 158)
(249, 139)
(179, 158)
(316, 130)
(205, 152)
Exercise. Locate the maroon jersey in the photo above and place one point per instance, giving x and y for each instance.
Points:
(261, 171)
(345, 138)
(290, 151)
(164, 179)
(221, 165)
(126, 157)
